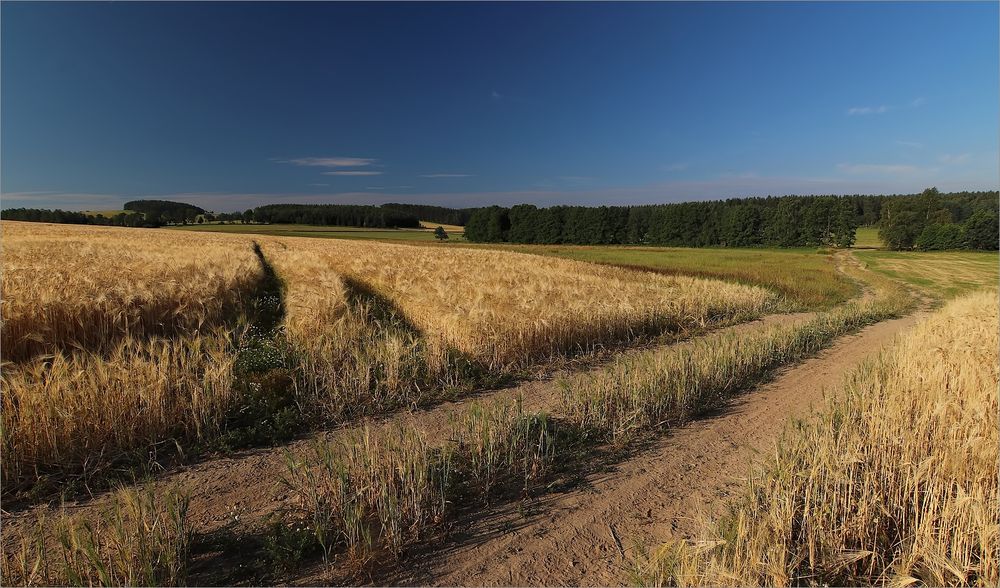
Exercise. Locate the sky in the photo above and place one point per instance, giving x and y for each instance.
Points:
(231, 105)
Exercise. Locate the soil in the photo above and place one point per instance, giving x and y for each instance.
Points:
(584, 537)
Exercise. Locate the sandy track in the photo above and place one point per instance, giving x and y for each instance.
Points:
(244, 489)
(655, 496)
(236, 494)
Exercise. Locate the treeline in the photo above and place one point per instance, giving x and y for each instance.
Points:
(435, 214)
(932, 221)
(344, 215)
(789, 221)
(38, 215)
(786, 221)
(165, 211)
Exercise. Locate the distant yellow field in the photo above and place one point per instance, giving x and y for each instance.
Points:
(449, 228)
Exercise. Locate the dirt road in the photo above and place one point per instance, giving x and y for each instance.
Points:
(657, 495)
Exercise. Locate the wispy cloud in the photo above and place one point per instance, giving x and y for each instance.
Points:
(329, 161)
(876, 168)
(861, 110)
(884, 108)
(353, 172)
(447, 175)
(952, 158)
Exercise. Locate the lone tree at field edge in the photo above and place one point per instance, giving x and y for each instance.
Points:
(440, 234)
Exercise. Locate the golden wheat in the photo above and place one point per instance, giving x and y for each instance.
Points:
(671, 385)
(896, 483)
(369, 327)
(82, 412)
(78, 287)
(505, 309)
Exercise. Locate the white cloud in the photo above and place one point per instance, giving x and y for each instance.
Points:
(329, 161)
(860, 110)
(353, 173)
(447, 175)
(876, 168)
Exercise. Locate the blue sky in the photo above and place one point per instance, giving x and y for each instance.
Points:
(230, 105)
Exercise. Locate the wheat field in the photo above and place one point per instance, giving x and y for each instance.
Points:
(506, 309)
(894, 485)
(68, 287)
(120, 341)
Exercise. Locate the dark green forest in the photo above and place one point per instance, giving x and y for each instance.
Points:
(39, 215)
(165, 211)
(945, 221)
(928, 221)
(344, 215)
(435, 214)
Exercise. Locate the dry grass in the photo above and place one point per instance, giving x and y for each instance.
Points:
(504, 309)
(68, 287)
(388, 488)
(142, 538)
(895, 484)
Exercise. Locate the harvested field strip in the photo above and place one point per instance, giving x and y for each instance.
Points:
(74, 287)
(895, 483)
(941, 274)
